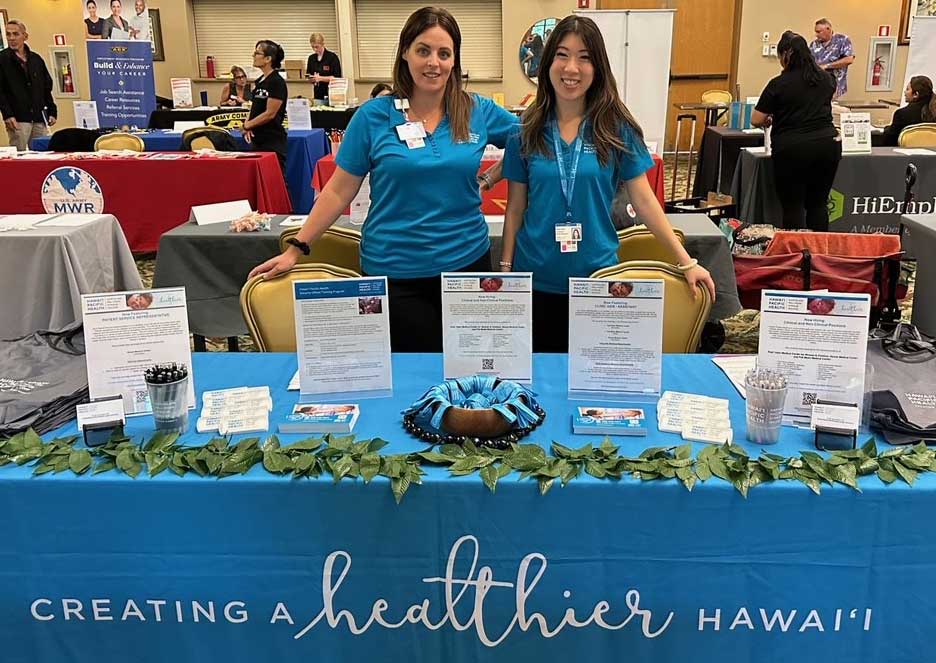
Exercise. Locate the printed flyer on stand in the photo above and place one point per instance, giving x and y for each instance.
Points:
(127, 332)
(615, 339)
(819, 342)
(487, 323)
(343, 338)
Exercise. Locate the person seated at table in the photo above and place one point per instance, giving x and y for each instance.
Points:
(577, 144)
(237, 92)
(115, 21)
(94, 24)
(264, 127)
(806, 151)
(422, 148)
(921, 107)
(380, 90)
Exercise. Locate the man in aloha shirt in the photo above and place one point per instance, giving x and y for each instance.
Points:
(833, 52)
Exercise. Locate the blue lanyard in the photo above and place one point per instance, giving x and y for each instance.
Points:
(567, 184)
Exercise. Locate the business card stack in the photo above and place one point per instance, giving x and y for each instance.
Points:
(321, 418)
(609, 421)
(695, 417)
(233, 411)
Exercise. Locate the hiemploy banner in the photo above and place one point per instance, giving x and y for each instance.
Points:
(121, 75)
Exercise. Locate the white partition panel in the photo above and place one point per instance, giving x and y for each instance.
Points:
(640, 43)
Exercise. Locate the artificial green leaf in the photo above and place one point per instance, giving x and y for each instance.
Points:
(271, 443)
(305, 462)
(161, 462)
(106, 466)
(735, 450)
(689, 482)
(545, 484)
(275, 461)
(887, 476)
(718, 468)
(376, 445)
(79, 461)
(835, 460)
(435, 457)
(489, 477)
(31, 440)
(742, 484)
(341, 467)
(453, 451)
(848, 475)
(503, 470)
(399, 486)
(869, 466)
(870, 448)
(812, 482)
(684, 452)
(905, 473)
(247, 444)
(560, 450)
(308, 444)
(125, 459)
(370, 466)
(595, 469)
(703, 471)
(43, 469)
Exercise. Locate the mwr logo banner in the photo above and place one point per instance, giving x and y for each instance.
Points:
(71, 190)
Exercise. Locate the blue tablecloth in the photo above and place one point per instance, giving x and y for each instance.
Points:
(304, 149)
(783, 575)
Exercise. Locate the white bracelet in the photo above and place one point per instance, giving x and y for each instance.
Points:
(506, 264)
(689, 265)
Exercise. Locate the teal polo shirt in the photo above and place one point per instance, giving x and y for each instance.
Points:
(425, 212)
(595, 185)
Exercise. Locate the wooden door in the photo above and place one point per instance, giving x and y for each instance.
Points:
(705, 45)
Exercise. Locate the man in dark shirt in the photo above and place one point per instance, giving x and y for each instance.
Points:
(26, 102)
(323, 66)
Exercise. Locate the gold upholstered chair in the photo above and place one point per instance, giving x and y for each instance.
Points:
(718, 97)
(918, 135)
(267, 305)
(638, 243)
(198, 138)
(683, 316)
(119, 141)
(340, 247)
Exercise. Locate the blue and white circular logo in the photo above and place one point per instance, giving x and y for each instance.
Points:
(70, 190)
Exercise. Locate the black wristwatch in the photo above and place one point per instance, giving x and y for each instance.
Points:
(302, 246)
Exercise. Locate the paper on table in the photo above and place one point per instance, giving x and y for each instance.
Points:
(22, 221)
(292, 222)
(756, 150)
(72, 220)
(913, 151)
(753, 131)
(735, 368)
(293, 382)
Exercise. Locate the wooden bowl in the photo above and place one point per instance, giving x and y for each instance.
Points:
(485, 423)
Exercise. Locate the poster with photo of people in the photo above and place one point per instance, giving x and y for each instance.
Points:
(123, 19)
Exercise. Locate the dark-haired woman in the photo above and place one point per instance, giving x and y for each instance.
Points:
(805, 149)
(578, 144)
(264, 127)
(921, 107)
(422, 148)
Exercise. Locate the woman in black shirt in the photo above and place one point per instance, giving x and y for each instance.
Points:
(921, 107)
(94, 24)
(805, 148)
(264, 128)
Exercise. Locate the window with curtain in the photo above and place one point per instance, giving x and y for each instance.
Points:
(379, 23)
(229, 29)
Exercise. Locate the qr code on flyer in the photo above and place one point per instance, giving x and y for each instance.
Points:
(487, 364)
(809, 398)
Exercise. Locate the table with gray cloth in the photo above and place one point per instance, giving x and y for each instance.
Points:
(212, 264)
(919, 241)
(48, 268)
(867, 194)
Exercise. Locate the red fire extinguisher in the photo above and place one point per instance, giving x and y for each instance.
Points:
(210, 66)
(68, 85)
(876, 71)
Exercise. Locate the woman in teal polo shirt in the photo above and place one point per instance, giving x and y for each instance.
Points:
(422, 147)
(558, 222)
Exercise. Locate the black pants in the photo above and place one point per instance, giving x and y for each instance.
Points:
(550, 322)
(803, 175)
(416, 310)
(274, 143)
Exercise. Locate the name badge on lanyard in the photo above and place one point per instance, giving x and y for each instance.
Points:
(413, 133)
(568, 233)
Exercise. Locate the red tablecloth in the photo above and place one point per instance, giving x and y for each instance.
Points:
(151, 196)
(495, 200)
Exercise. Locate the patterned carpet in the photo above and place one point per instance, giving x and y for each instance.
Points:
(741, 330)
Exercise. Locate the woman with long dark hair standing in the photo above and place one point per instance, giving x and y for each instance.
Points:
(921, 107)
(577, 145)
(422, 146)
(805, 148)
(264, 128)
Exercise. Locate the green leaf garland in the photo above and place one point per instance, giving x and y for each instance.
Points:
(344, 457)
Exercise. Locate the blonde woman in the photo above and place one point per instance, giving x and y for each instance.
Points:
(238, 91)
(323, 66)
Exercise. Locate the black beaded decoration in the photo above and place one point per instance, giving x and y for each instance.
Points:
(501, 442)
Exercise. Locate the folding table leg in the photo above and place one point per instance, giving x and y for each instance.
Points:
(199, 342)
(232, 344)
